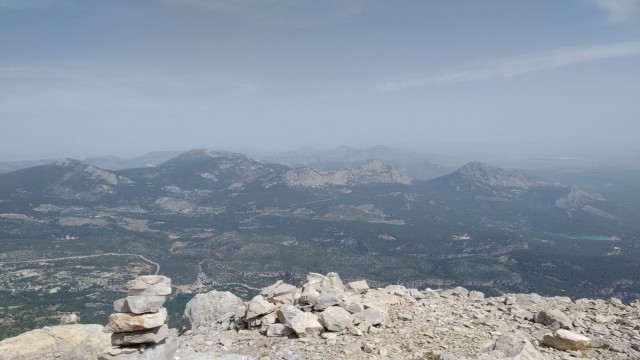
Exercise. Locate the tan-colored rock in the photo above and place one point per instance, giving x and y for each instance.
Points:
(566, 340)
(57, 342)
(123, 322)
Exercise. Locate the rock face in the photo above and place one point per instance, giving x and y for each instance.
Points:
(57, 342)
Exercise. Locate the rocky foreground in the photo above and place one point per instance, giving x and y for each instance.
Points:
(326, 319)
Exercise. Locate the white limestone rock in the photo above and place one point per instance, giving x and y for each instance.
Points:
(516, 346)
(259, 306)
(153, 285)
(304, 324)
(358, 287)
(566, 340)
(214, 310)
(139, 304)
(372, 315)
(81, 342)
(326, 300)
(336, 318)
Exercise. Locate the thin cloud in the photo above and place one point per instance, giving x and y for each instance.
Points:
(619, 10)
(231, 6)
(25, 4)
(514, 66)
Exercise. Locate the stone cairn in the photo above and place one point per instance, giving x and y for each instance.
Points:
(139, 317)
(323, 303)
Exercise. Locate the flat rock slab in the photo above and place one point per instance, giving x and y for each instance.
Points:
(166, 350)
(139, 304)
(125, 322)
(151, 336)
(154, 285)
(566, 340)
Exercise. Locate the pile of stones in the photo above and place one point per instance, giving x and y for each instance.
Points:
(325, 318)
(321, 304)
(140, 317)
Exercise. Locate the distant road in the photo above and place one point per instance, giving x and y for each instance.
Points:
(86, 257)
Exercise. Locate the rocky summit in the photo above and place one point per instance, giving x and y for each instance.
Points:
(324, 318)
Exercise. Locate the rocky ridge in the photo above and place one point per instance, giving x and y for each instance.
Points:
(497, 177)
(324, 318)
(373, 172)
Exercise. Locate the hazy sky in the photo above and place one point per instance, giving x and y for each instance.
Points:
(91, 77)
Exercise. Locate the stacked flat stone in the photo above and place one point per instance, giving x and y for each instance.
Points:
(140, 317)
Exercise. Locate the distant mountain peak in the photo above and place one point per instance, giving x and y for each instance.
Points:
(497, 177)
(198, 155)
(374, 172)
(65, 162)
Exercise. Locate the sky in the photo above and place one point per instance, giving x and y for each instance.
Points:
(92, 77)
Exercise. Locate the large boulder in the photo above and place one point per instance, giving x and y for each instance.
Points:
(304, 324)
(57, 342)
(214, 309)
(336, 318)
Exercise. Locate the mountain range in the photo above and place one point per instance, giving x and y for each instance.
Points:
(222, 220)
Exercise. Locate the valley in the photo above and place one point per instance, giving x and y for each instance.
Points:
(215, 220)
